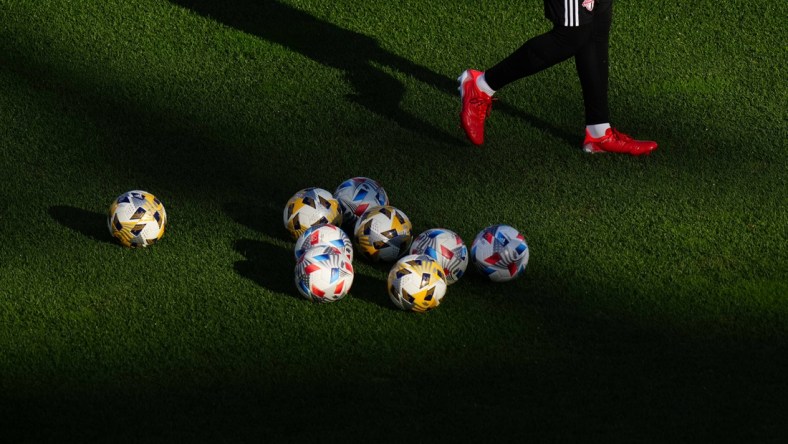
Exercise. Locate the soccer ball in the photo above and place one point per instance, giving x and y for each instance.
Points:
(323, 234)
(137, 219)
(324, 274)
(417, 283)
(308, 207)
(446, 247)
(383, 234)
(357, 195)
(500, 253)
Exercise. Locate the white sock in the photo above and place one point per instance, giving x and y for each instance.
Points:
(597, 130)
(481, 83)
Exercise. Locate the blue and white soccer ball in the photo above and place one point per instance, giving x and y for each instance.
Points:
(323, 234)
(500, 253)
(324, 274)
(446, 247)
(383, 234)
(357, 195)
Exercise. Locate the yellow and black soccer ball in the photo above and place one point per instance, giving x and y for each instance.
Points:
(383, 234)
(417, 283)
(137, 219)
(308, 207)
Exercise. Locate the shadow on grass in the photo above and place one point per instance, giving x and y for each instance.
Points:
(355, 54)
(638, 385)
(267, 265)
(264, 219)
(371, 290)
(87, 223)
(273, 267)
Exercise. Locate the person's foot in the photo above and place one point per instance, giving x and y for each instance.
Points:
(617, 142)
(476, 106)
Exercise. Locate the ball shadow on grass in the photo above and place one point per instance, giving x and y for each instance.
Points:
(88, 223)
(273, 267)
(371, 290)
(264, 219)
(267, 265)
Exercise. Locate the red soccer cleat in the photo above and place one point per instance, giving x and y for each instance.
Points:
(616, 142)
(476, 106)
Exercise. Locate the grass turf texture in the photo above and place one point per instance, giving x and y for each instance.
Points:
(654, 306)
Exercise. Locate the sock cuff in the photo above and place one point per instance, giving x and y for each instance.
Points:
(597, 130)
(481, 83)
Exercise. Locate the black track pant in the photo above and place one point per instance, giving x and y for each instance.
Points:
(588, 44)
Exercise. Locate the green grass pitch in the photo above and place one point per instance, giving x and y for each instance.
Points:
(654, 306)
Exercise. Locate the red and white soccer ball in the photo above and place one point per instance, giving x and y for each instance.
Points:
(500, 253)
(324, 274)
(308, 207)
(357, 195)
(447, 248)
(321, 235)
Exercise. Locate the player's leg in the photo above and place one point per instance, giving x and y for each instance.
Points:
(593, 70)
(539, 53)
(591, 62)
(571, 31)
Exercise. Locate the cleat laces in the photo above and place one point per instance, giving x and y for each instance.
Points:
(484, 106)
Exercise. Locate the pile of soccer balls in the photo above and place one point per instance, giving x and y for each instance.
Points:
(423, 267)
